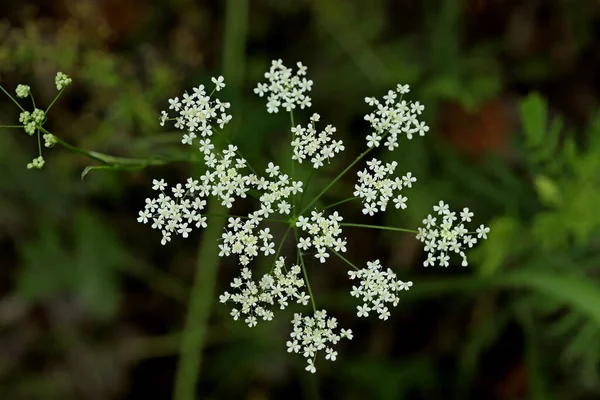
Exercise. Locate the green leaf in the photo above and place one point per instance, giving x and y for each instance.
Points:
(88, 268)
(575, 291)
(548, 191)
(533, 111)
(492, 253)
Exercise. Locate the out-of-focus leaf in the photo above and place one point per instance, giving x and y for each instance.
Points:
(88, 269)
(533, 110)
(548, 191)
(501, 243)
(391, 380)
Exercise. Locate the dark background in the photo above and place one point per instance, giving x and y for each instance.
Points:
(92, 307)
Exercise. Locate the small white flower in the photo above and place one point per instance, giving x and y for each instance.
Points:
(219, 83)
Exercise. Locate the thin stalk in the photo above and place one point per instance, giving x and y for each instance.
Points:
(383, 228)
(310, 293)
(202, 295)
(340, 202)
(360, 157)
(54, 101)
(12, 98)
(344, 259)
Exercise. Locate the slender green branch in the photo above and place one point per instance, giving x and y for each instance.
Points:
(344, 259)
(305, 189)
(222, 135)
(202, 296)
(12, 126)
(340, 202)
(39, 143)
(54, 101)
(310, 293)
(282, 242)
(383, 228)
(113, 161)
(360, 157)
(199, 308)
(12, 98)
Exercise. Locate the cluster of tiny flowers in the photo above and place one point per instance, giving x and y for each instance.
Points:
(375, 187)
(224, 176)
(324, 233)
(198, 112)
(49, 140)
(393, 117)
(449, 236)
(62, 81)
(23, 91)
(37, 162)
(276, 287)
(377, 287)
(177, 214)
(284, 89)
(32, 120)
(318, 145)
(241, 238)
(312, 334)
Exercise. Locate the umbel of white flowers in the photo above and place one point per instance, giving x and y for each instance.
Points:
(180, 208)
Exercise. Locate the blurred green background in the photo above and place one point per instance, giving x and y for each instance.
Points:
(92, 307)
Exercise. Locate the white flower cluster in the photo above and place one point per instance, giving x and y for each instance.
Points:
(241, 238)
(313, 334)
(198, 112)
(377, 287)
(318, 145)
(177, 214)
(376, 188)
(37, 162)
(23, 91)
(394, 117)
(284, 89)
(448, 237)
(32, 120)
(62, 81)
(49, 140)
(224, 177)
(254, 300)
(323, 233)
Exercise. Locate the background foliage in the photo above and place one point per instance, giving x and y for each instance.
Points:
(91, 307)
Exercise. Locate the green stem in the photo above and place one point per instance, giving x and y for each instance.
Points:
(112, 161)
(383, 228)
(54, 101)
(222, 135)
(12, 98)
(340, 202)
(293, 166)
(12, 126)
(202, 296)
(305, 188)
(360, 157)
(39, 143)
(344, 259)
(310, 293)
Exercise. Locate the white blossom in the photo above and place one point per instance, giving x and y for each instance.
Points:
(376, 287)
(449, 236)
(311, 334)
(393, 116)
(275, 288)
(284, 88)
(376, 186)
